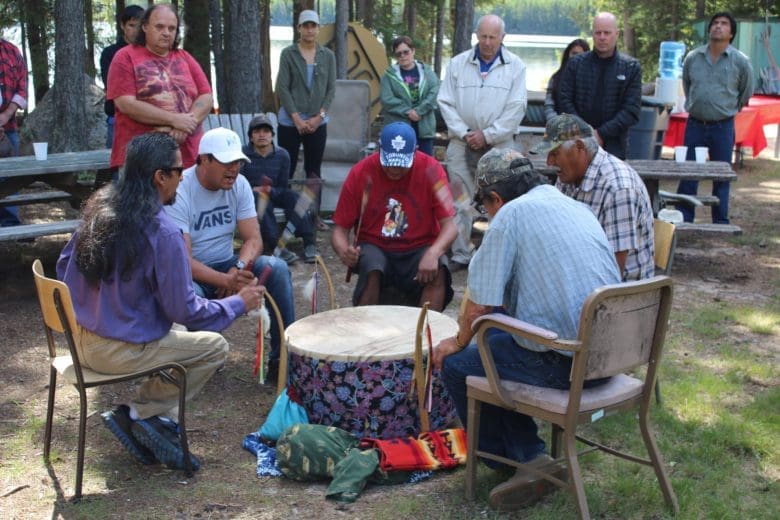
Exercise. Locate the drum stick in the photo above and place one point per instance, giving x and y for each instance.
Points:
(363, 203)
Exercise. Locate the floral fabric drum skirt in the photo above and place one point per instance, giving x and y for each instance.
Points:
(353, 369)
(368, 399)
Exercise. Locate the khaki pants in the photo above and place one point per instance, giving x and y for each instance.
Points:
(201, 353)
(462, 182)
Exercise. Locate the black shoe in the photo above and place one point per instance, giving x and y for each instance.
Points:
(119, 423)
(162, 438)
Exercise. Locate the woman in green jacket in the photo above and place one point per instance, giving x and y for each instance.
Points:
(408, 94)
(306, 84)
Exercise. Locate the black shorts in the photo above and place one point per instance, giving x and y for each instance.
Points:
(399, 270)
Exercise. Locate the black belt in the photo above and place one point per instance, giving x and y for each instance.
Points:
(705, 123)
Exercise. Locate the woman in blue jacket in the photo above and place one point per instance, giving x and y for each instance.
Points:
(408, 94)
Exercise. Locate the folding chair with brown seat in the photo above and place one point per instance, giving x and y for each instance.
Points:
(58, 316)
(622, 327)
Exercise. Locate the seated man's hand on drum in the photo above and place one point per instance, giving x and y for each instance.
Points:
(445, 347)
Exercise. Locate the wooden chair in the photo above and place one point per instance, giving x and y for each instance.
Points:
(621, 327)
(59, 316)
(665, 242)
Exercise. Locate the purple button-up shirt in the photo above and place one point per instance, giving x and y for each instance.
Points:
(141, 306)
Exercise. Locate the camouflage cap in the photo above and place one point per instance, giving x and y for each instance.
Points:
(562, 128)
(501, 164)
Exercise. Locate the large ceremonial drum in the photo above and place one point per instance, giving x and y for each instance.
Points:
(353, 369)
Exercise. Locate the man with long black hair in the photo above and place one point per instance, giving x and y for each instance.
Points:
(129, 274)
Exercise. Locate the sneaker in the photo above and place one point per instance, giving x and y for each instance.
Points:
(161, 436)
(525, 489)
(310, 254)
(288, 256)
(119, 423)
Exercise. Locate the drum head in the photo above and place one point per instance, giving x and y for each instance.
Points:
(369, 333)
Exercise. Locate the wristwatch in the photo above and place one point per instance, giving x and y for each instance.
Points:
(240, 264)
(322, 114)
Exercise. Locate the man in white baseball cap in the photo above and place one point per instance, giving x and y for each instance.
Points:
(212, 201)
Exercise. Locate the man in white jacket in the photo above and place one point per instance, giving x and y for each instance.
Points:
(483, 100)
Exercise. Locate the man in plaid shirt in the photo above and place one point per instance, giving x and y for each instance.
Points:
(13, 97)
(612, 189)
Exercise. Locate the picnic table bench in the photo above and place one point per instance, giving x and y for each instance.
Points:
(60, 172)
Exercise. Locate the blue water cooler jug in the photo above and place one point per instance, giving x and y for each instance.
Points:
(670, 59)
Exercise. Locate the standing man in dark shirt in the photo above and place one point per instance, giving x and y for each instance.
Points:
(604, 87)
(129, 23)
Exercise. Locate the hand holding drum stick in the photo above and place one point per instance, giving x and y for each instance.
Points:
(363, 203)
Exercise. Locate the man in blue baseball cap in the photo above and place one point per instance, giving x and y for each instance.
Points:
(398, 202)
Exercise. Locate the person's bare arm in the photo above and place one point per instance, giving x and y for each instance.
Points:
(227, 283)
(347, 253)
(621, 256)
(429, 263)
(148, 114)
(202, 106)
(249, 233)
(456, 343)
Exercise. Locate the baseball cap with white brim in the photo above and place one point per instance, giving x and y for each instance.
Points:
(223, 144)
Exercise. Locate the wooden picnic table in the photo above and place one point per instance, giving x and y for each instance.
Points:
(653, 172)
(60, 171)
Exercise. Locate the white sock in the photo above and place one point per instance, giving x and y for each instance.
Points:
(133, 412)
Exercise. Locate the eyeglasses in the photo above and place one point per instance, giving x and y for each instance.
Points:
(401, 54)
(178, 170)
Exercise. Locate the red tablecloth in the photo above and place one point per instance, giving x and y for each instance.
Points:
(748, 124)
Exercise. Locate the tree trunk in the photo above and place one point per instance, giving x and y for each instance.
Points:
(242, 51)
(410, 17)
(89, 57)
(69, 131)
(215, 17)
(268, 98)
(120, 7)
(365, 13)
(196, 37)
(342, 17)
(628, 32)
(36, 15)
(464, 23)
(701, 7)
(439, 48)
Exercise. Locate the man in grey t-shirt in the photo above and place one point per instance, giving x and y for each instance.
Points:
(212, 201)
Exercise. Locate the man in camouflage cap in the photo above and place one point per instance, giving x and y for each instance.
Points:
(609, 186)
(540, 258)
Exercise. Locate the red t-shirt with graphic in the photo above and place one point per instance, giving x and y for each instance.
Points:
(172, 82)
(400, 215)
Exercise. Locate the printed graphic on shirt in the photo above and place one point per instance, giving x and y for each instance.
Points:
(163, 82)
(218, 216)
(395, 220)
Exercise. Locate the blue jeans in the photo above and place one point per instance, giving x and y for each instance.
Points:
(278, 284)
(313, 150)
(719, 138)
(9, 215)
(511, 435)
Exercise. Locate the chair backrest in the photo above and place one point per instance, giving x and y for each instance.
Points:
(52, 292)
(664, 241)
(239, 123)
(623, 326)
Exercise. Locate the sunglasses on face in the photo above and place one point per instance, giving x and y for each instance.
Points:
(178, 170)
(401, 54)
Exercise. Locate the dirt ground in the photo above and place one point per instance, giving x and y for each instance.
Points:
(741, 271)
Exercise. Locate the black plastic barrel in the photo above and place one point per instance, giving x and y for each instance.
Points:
(646, 137)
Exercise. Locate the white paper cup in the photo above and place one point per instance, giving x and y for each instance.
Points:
(41, 151)
(701, 154)
(680, 152)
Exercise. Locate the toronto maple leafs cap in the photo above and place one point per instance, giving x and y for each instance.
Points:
(397, 143)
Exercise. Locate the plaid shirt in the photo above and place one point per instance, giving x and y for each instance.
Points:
(618, 197)
(13, 80)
